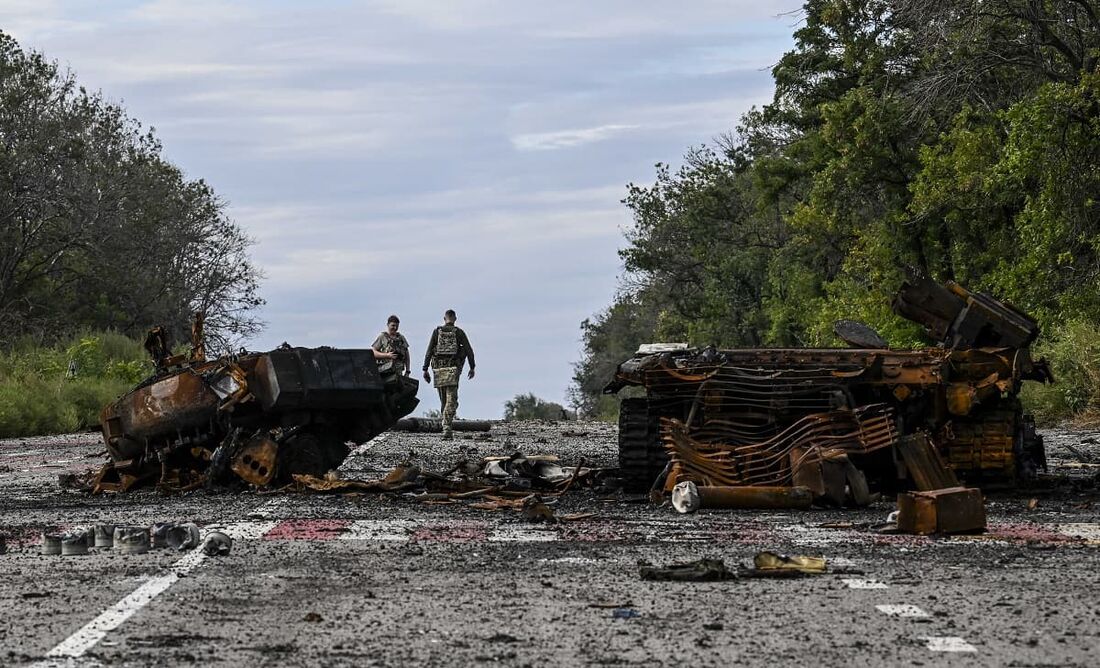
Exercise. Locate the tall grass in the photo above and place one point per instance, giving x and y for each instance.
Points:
(1074, 355)
(48, 389)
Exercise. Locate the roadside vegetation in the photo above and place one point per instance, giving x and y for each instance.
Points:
(98, 230)
(62, 387)
(955, 140)
(530, 407)
(101, 237)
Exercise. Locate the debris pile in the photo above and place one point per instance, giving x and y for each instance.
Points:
(179, 536)
(259, 418)
(528, 484)
(785, 428)
(765, 565)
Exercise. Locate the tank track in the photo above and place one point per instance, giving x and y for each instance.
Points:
(641, 457)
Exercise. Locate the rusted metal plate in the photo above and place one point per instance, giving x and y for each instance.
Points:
(256, 462)
(952, 510)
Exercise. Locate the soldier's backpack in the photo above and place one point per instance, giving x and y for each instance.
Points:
(446, 342)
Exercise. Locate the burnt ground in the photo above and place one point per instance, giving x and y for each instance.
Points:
(383, 580)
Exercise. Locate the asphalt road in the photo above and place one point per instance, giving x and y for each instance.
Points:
(382, 580)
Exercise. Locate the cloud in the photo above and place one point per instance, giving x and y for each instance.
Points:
(550, 141)
(409, 155)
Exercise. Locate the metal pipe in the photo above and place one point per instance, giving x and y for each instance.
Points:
(687, 497)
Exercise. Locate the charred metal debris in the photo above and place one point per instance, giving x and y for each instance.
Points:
(528, 484)
(791, 427)
(256, 417)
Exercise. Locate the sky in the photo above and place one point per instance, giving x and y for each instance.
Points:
(409, 156)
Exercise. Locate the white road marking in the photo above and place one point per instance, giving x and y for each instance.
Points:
(522, 535)
(948, 644)
(1090, 532)
(363, 448)
(110, 619)
(864, 584)
(272, 509)
(901, 610)
(245, 530)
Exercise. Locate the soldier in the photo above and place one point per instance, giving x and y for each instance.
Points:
(392, 341)
(447, 352)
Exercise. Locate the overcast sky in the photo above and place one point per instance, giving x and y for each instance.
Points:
(406, 156)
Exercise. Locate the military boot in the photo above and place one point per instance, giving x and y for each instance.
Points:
(448, 435)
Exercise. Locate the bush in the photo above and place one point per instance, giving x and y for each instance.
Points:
(39, 395)
(530, 407)
(1074, 355)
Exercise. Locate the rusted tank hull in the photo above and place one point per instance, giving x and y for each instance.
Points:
(304, 404)
(734, 417)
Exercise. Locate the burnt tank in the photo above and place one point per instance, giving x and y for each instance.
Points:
(773, 417)
(260, 417)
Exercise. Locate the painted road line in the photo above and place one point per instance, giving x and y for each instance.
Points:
(307, 530)
(89, 635)
(864, 584)
(948, 644)
(522, 535)
(1088, 531)
(245, 530)
(365, 447)
(901, 610)
(111, 618)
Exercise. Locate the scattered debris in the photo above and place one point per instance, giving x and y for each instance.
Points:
(771, 564)
(104, 535)
(132, 540)
(216, 544)
(702, 570)
(252, 417)
(534, 510)
(687, 497)
(951, 510)
(74, 543)
(821, 418)
(312, 617)
(183, 536)
(625, 613)
(51, 543)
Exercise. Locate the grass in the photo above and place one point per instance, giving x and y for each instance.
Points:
(1074, 355)
(50, 389)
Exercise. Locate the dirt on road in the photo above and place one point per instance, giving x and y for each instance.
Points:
(379, 579)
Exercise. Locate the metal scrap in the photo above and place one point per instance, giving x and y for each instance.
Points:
(259, 418)
(841, 422)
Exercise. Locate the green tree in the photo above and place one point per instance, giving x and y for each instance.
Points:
(530, 407)
(97, 229)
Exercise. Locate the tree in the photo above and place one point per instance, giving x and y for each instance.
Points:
(97, 229)
(950, 139)
(530, 407)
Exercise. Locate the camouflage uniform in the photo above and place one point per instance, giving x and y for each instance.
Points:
(393, 344)
(447, 353)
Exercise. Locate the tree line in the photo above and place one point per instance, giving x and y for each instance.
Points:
(98, 230)
(956, 139)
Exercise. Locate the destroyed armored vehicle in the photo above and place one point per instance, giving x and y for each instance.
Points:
(782, 417)
(261, 417)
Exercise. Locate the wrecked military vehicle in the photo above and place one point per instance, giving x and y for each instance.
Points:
(790, 417)
(261, 417)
